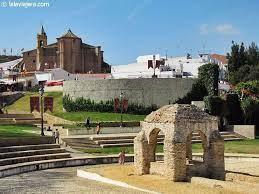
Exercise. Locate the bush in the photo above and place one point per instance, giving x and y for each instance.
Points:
(234, 114)
(207, 84)
(250, 87)
(197, 93)
(81, 104)
(214, 105)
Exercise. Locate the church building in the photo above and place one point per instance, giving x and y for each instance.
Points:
(68, 53)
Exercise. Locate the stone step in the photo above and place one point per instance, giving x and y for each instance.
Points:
(85, 145)
(16, 116)
(78, 140)
(115, 136)
(159, 143)
(28, 147)
(114, 141)
(133, 135)
(30, 122)
(10, 161)
(31, 153)
(32, 118)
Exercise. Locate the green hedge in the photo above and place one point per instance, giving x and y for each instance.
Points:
(82, 104)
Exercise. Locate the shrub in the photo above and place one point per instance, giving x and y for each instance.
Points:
(197, 93)
(81, 104)
(234, 114)
(214, 105)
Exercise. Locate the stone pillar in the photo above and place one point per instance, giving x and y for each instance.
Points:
(141, 155)
(175, 160)
(216, 164)
(189, 147)
(152, 151)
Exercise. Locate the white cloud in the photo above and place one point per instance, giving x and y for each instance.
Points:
(204, 29)
(223, 29)
(226, 29)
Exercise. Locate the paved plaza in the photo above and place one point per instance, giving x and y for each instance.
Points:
(62, 180)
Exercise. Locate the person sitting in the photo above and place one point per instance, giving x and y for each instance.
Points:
(122, 157)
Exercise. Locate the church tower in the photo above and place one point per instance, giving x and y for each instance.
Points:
(41, 43)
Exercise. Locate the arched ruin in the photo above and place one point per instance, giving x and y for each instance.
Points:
(178, 122)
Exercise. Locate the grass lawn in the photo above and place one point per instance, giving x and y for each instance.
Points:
(23, 105)
(17, 131)
(244, 146)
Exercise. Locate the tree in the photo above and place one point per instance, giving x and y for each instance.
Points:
(243, 63)
(209, 76)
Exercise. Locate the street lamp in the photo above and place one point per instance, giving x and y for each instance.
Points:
(41, 91)
(121, 106)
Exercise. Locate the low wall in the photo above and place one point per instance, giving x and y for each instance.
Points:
(51, 120)
(247, 131)
(104, 130)
(146, 91)
(5, 142)
(10, 97)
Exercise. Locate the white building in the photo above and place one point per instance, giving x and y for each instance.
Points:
(173, 66)
(7, 68)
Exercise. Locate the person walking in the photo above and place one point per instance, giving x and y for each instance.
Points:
(98, 128)
(54, 135)
(87, 122)
(57, 136)
(122, 157)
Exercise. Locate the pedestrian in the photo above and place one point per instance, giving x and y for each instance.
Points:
(54, 135)
(87, 122)
(49, 128)
(122, 157)
(98, 128)
(57, 136)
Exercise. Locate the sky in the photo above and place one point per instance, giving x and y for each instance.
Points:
(127, 29)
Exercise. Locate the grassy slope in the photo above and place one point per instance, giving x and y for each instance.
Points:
(17, 131)
(23, 105)
(245, 146)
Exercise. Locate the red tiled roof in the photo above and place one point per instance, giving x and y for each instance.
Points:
(221, 58)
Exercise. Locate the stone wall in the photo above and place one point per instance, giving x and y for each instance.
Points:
(247, 131)
(140, 91)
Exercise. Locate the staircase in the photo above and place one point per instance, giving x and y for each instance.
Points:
(19, 119)
(127, 139)
(29, 153)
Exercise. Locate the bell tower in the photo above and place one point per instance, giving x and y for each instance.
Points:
(41, 43)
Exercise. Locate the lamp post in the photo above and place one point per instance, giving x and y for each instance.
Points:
(121, 106)
(41, 91)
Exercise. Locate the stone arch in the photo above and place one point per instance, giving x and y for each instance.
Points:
(177, 122)
(152, 143)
